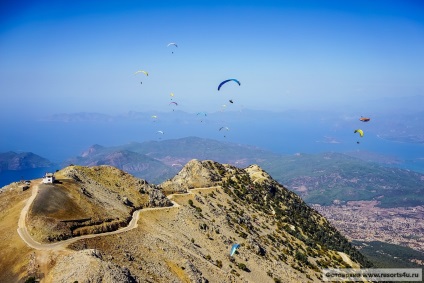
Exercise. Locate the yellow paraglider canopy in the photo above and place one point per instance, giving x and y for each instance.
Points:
(361, 133)
(141, 71)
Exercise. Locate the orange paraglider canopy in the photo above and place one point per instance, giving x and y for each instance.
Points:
(364, 119)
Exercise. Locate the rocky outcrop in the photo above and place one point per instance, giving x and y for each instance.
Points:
(196, 174)
(158, 199)
(89, 266)
(254, 244)
(194, 274)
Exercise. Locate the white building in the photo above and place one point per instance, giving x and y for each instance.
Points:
(48, 178)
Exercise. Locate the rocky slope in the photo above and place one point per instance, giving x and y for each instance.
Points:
(216, 205)
(88, 200)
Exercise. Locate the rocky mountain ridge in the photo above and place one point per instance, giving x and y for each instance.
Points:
(215, 206)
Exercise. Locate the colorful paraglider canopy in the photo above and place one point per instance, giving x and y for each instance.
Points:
(226, 81)
(361, 133)
(141, 71)
(233, 249)
(364, 119)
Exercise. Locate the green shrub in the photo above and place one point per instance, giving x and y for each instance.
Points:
(242, 266)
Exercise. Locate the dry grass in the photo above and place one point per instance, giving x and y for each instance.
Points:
(60, 201)
(14, 254)
(178, 271)
(97, 197)
(166, 238)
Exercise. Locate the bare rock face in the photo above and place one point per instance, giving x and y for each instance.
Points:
(89, 266)
(194, 274)
(257, 174)
(195, 174)
(259, 250)
(158, 199)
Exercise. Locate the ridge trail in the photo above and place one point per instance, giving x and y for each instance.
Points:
(60, 245)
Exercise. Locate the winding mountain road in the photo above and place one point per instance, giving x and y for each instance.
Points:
(26, 237)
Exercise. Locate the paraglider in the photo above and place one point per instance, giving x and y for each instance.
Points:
(174, 44)
(176, 164)
(231, 101)
(360, 132)
(160, 132)
(173, 102)
(226, 81)
(224, 128)
(201, 114)
(234, 248)
(364, 119)
(141, 71)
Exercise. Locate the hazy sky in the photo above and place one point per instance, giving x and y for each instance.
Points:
(71, 56)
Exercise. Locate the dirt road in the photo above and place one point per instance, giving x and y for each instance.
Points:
(26, 237)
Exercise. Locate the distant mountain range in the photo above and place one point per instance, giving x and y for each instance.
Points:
(318, 178)
(21, 161)
(324, 178)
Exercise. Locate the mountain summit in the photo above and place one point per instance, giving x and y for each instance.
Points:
(119, 228)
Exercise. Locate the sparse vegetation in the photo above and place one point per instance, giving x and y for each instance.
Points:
(31, 279)
(271, 224)
(218, 263)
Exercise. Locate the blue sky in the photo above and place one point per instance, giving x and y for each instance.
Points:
(73, 56)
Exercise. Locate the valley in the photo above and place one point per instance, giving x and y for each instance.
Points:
(364, 221)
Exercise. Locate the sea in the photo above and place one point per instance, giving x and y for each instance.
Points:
(59, 141)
